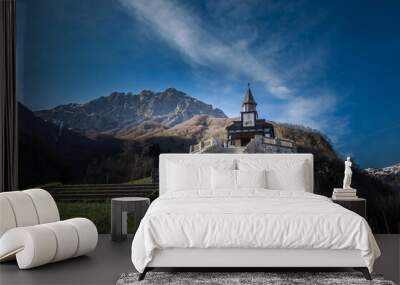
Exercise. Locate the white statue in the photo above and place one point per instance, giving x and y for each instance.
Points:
(347, 174)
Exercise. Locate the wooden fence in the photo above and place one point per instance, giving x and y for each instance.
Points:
(102, 191)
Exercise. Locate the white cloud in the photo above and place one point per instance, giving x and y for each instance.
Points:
(317, 112)
(219, 43)
(183, 30)
(308, 111)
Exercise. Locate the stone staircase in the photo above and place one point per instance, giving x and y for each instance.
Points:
(232, 150)
(258, 144)
(214, 146)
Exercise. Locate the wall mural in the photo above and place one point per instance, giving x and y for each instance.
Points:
(106, 86)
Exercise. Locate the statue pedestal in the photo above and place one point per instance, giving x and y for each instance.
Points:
(344, 194)
(344, 190)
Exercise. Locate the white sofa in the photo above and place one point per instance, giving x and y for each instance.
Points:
(31, 230)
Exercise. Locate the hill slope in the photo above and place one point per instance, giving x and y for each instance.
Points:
(202, 127)
(198, 128)
(51, 153)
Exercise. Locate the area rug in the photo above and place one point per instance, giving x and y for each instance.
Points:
(243, 278)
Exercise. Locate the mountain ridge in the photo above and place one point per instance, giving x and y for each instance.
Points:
(389, 175)
(117, 110)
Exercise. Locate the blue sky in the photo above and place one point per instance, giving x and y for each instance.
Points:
(329, 65)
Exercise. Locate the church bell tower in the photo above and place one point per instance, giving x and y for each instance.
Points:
(249, 114)
(240, 133)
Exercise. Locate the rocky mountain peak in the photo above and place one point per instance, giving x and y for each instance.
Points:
(145, 93)
(388, 170)
(172, 90)
(389, 175)
(117, 110)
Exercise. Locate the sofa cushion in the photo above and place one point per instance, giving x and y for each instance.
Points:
(45, 205)
(67, 240)
(7, 220)
(87, 235)
(23, 208)
(32, 246)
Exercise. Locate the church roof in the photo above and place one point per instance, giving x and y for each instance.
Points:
(248, 96)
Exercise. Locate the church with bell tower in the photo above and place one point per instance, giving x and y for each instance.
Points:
(240, 133)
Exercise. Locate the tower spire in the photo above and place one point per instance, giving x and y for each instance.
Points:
(249, 104)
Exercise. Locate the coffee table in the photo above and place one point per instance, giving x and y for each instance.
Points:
(120, 207)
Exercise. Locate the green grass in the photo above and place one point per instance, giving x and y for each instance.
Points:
(145, 180)
(99, 212)
(49, 184)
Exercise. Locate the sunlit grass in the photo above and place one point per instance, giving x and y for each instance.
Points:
(145, 180)
(99, 212)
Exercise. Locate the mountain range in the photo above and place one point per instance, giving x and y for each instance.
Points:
(126, 110)
(169, 121)
(389, 175)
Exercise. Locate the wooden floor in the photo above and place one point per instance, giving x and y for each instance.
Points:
(110, 260)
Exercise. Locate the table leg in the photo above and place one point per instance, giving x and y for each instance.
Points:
(124, 224)
(116, 221)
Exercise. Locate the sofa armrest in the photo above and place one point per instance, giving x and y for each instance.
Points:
(32, 246)
(41, 244)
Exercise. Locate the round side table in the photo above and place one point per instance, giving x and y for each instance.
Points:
(120, 207)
